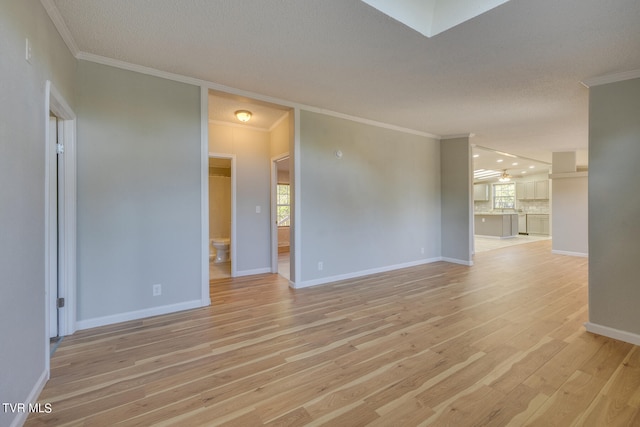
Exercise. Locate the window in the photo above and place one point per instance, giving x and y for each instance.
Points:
(504, 196)
(283, 205)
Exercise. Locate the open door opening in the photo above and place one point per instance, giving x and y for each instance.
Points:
(281, 216)
(60, 219)
(56, 193)
(221, 184)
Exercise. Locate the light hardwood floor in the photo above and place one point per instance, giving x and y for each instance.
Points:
(499, 343)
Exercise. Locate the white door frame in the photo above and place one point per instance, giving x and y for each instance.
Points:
(64, 255)
(274, 208)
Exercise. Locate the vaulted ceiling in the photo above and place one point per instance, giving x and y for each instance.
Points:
(511, 76)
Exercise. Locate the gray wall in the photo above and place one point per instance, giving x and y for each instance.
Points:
(569, 211)
(456, 200)
(375, 207)
(614, 206)
(138, 191)
(22, 178)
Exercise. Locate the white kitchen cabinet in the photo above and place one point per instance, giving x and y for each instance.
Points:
(529, 190)
(480, 192)
(542, 190)
(522, 223)
(532, 190)
(520, 190)
(538, 224)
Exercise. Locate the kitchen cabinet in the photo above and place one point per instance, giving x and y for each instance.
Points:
(480, 192)
(520, 190)
(530, 190)
(541, 190)
(533, 190)
(497, 225)
(538, 224)
(522, 223)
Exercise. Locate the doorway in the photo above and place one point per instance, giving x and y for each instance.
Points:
(56, 212)
(281, 216)
(60, 218)
(222, 197)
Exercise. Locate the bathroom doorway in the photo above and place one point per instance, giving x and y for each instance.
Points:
(281, 215)
(221, 178)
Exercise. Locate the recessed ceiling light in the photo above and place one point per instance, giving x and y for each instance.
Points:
(499, 160)
(514, 164)
(476, 155)
(531, 167)
(524, 171)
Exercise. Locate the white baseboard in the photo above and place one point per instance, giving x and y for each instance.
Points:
(139, 314)
(569, 253)
(486, 236)
(355, 274)
(457, 261)
(613, 333)
(21, 417)
(253, 272)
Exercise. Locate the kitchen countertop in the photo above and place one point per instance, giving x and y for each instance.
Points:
(496, 213)
(511, 213)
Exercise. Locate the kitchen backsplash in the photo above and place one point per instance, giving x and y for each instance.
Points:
(482, 206)
(527, 206)
(533, 206)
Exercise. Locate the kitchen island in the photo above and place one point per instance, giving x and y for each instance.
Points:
(501, 225)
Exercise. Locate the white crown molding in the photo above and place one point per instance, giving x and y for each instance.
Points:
(456, 136)
(368, 122)
(611, 78)
(90, 57)
(230, 90)
(563, 175)
(61, 26)
(238, 125)
(275, 125)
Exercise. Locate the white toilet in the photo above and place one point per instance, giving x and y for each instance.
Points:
(221, 246)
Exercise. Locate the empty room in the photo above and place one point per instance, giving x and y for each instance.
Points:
(309, 212)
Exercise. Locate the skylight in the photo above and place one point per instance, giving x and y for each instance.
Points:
(431, 17)
(480, 174)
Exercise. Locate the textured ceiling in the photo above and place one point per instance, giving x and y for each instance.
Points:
(511, 76)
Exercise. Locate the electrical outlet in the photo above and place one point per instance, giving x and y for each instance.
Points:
(157, 290)
(320, 265)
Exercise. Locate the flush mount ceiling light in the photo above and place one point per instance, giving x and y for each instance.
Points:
(505, 177)
(243, 115)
